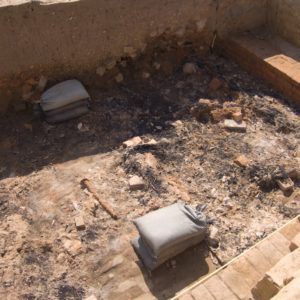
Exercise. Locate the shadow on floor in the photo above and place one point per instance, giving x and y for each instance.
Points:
(191, 265)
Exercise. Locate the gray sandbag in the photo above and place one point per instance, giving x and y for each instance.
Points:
(167, 232)
(66, 108)
(62, 94)
(151, 261)
(68, 115)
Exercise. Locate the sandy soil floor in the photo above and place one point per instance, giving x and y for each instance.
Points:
(43, 254)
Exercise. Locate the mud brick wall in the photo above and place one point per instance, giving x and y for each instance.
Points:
(284, 19)
(62, 38)
(254, 64)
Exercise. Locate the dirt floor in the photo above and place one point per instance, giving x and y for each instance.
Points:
(43, 254)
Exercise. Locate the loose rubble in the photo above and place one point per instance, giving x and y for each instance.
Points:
(242, 161)
(136, 183)
(79, 222)
(235, 126)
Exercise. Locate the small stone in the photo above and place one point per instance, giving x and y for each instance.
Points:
(237, 116)
(119, 78)
(287, 186)
(205, 103)
(151, 142)
(213, 232)
(91, 297)
(215, 84)
(82, 128)
(177, 124)
(146, 75)
(100, 71)
(259, 234)
(202, 110)
(73, 247)
(136, 183)
(133, 142)
(165, 141)
(190, 68)
(234, 126)
(242, 161)
(220, 210)
(224, 113)
(213, 237)
(61, 257)
(150, 160)
(79, 222)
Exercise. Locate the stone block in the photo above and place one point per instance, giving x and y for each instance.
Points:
(218, 289)
(277, 276)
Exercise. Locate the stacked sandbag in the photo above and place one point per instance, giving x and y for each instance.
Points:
(65, 101)
(167, 232)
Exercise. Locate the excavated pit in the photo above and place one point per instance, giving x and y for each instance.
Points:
(44, 256)
(140, 87)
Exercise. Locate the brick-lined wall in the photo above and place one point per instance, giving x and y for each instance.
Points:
(284, 19)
